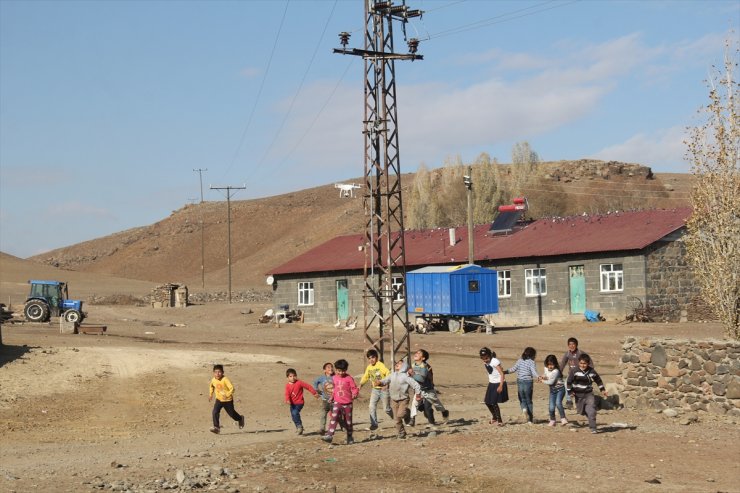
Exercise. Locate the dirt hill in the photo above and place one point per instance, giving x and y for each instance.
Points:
(269, 231)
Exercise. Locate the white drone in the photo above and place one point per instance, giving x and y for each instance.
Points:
(346, 190)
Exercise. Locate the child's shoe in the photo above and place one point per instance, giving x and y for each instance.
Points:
(350, 440)
(412, 421)
(594, 431)
(241, 422)
(563, 421)
(299, 430)
(402, 436)
(327, 438)
(373, 427)
(551, 423)
(389, 412)
(445, 414)
(215, 429)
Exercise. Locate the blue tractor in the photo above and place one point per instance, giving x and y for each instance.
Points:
(49, 299)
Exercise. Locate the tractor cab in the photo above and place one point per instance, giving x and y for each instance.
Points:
(50, 299)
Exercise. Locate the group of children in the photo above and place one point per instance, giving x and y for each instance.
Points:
(336, 390)
(579, 383)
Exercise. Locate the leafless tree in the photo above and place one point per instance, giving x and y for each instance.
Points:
(713, 235)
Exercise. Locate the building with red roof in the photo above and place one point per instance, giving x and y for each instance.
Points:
(551, 269)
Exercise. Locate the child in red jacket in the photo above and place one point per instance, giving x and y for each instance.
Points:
(294, 397)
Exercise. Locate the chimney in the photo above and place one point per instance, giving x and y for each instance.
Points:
(452, 237)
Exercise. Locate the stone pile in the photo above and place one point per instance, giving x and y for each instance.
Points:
(248, 296)
(681, 376)
(192, 479)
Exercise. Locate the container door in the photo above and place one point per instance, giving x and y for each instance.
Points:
(577, 289)
(342, 300)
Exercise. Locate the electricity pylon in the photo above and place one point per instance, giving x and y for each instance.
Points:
(385, 256)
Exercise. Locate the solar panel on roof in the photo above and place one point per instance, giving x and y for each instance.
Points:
(505, 221)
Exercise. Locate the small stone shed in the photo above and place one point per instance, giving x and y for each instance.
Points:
(169, 296)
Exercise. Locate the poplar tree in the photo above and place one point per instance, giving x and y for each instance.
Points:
(713, 148)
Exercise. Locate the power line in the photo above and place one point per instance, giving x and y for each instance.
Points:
(316, 118)
(300, 87)
(499, 19)
(259, 92)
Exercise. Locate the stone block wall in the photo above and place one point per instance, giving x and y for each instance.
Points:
(670, 284)
(681, 375)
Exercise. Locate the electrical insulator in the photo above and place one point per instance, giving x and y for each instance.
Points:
(413, 45)
(344, 38)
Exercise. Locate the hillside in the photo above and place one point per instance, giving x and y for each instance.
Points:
(269, 231)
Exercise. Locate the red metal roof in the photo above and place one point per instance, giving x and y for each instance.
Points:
(612, 232)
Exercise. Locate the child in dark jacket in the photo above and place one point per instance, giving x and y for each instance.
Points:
(580, 385)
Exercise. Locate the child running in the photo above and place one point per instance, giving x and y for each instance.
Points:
(580, 384)
(569, 361)
(345, 391)
(324, 385)
(526, 374)
(398, 386)
(554, 378)
(294, 397)
(496, 391)
(374, 373)
(422, 372)
(222, 388)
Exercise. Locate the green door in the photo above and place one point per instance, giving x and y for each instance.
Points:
(342, 300)
(577, 289)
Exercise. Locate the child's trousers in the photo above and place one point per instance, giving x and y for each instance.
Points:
(556, 401)
(229, 406)
(525, 390)
(399, 412)
(384, 398)
(295, 414)
(340, 411)
(431, 397)
(586, 405)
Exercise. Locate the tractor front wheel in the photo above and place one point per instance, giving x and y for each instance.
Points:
(36, 311)
(72, 316)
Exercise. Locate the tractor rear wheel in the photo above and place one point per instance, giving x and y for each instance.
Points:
(36, 311)
(72, 316)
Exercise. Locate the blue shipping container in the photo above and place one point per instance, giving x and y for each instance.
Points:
(464, 290)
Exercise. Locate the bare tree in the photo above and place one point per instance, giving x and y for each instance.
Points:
(714, 227)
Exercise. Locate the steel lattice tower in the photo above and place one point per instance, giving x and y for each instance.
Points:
(384, 320)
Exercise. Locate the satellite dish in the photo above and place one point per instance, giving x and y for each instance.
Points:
(270, 280)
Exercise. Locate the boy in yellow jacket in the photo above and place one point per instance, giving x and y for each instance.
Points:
(224, 391)
(374, 373)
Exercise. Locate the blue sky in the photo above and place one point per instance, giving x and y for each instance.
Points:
(107, 107)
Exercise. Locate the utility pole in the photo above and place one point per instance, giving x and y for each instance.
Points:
(468, 180)
(202, 239)
(200, 174)
(384, 238)
(228, 222)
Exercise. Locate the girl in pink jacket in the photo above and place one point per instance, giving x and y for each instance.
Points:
(345, 391)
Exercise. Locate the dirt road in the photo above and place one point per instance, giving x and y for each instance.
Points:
(128, 411)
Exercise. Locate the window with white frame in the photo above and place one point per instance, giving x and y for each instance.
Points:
(612, 278)
(504, 283)
(305, 293)
(535, 282)
(397, 286)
